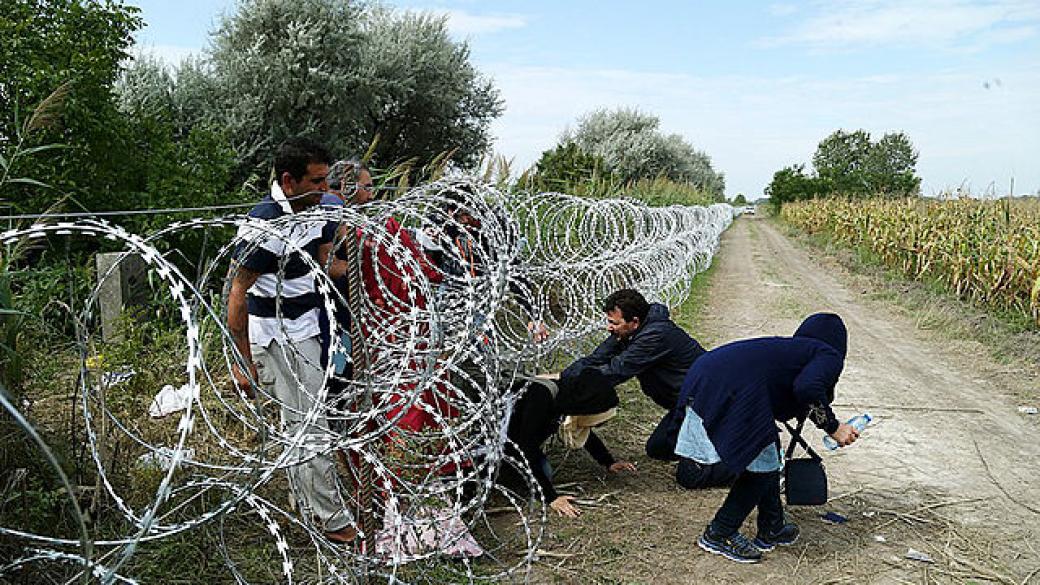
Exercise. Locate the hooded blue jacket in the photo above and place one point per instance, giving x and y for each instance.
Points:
(741, 388)
(658, 354)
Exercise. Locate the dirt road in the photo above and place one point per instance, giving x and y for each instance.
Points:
(950, 468)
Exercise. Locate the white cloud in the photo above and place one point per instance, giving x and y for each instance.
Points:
(1004, 36)
(753, 126)
(464, 23)
(944, 23)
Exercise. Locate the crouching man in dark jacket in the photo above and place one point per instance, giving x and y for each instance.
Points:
(732, 396)
(645, 343)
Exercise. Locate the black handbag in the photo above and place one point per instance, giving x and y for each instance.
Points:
(805, 479)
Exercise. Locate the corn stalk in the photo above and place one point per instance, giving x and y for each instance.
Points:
(984, 251)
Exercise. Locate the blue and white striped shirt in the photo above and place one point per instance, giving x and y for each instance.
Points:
(262, 250)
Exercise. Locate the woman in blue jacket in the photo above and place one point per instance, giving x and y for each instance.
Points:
(733, 395)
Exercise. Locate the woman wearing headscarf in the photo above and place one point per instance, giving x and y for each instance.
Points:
(572, 405)
(733, 395)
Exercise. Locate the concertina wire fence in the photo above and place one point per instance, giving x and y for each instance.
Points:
(452, 354)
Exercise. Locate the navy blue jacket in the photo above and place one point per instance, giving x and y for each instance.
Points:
(741, 388)
(658, 354)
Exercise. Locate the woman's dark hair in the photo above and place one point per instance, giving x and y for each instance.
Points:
(589, 391)
(458, 196)
(629, 302)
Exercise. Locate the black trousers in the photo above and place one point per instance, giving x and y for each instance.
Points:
(697, 476)
(751, 490)
(661, 444)
(689, 474)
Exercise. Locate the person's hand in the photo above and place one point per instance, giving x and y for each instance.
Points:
(538, 331)
(845, 435)
(619, 466)
(242, 380)
(564, 507)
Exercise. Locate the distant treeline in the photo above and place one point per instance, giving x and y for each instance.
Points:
(851, 164)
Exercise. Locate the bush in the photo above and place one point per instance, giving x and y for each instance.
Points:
(566, 167)
(48, 44)
(791, 184)
(633, 148)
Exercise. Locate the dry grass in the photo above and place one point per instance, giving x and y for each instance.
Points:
(985, 251)
(931, 306)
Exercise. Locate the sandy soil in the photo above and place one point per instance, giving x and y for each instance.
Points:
(950, 468)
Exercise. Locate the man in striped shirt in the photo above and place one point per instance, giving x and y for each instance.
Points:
(273, 317)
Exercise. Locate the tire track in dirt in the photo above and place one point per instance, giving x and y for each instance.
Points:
(937, 409)
(915, 477)
(891, 364)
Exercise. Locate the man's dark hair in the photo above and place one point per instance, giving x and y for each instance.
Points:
(629, 302)
(295, 154)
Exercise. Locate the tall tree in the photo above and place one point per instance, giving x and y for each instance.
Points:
(342, 72)
(426, 97)
(841, 160)
(892, 164)
(851, 163)
(285, 67)
(633, 147)
(81, 43)
(177, 163)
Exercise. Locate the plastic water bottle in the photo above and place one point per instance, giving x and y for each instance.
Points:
(857, 422)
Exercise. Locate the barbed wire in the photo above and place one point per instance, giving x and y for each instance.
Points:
(456, 275)
(379, 191)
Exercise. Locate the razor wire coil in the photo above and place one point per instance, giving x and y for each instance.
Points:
(441, 342)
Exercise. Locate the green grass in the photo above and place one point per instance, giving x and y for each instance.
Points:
(692, 310)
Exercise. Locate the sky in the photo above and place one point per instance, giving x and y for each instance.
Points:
(755, 85)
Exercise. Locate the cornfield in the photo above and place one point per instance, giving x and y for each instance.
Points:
(986, 251)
